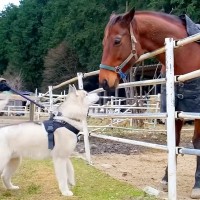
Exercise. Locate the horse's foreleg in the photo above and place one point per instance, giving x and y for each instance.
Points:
(178, 127)
(196, 143)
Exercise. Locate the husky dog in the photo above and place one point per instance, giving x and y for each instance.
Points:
(30, 140)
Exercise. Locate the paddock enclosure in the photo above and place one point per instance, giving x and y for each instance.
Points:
(134, 110)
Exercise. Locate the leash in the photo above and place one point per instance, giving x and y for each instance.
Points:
(17, 92)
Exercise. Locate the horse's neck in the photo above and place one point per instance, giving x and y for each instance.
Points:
(153, 30)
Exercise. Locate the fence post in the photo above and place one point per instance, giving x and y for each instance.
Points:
(171, 144)
(32, 108)
(80, 80)
(85, 126)
(50, 99)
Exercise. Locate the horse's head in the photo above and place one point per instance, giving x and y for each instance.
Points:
(119, 50)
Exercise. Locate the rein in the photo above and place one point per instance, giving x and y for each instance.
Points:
(118, 69)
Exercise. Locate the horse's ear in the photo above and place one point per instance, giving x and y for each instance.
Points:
(112, 15)
(129, 15)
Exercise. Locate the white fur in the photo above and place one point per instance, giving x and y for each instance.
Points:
(30, 140)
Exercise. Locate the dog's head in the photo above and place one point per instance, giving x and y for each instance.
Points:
(77, 103)
(82, 95)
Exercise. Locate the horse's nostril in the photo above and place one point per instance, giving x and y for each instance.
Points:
(105, 84)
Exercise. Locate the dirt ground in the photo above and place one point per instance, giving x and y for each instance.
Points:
(141, 166)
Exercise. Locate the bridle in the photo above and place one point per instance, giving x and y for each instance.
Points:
(118, 69)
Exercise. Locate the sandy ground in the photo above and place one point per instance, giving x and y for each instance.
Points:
(141, 166)
(147, 169)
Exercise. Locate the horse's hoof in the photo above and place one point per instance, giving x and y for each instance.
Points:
(195, 193)
(164, 186)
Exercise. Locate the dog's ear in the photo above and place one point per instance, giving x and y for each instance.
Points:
(75, 90)
(71, 89)
(74, 87)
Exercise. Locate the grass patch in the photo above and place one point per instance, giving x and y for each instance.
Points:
(37, 181)
(33, 189)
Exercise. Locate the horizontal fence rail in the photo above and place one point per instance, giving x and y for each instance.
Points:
(182, 150)
(135, 84)
(132, 115)
(127, 141)
(188, 115)
(188, 76)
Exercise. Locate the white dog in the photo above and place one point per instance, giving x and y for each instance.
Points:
(31, 140)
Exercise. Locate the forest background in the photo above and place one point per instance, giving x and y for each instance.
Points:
(46, 42)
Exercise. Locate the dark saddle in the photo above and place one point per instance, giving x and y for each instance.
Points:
(187, 96)
(191, 27)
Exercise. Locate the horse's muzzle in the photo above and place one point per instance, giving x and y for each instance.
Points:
(105, 86)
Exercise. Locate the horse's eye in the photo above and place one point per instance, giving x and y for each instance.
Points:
(117, 41)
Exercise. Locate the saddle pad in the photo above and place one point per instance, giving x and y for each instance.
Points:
(191, 27)
(187, 96)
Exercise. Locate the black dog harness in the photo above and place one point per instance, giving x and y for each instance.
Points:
(52, 124)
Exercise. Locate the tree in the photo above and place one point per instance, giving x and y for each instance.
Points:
(7, 17)
(60, 65)
(23, 49)
(13, 78)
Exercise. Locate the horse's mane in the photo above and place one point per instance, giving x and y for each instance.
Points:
(115, 18)
(168, 17)
(171, 18)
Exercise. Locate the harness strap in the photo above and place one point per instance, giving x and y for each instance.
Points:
(67, 125)
(52, 125)
(107, 67)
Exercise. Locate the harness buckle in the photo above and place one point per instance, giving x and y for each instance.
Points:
(180, 96)
(181, 84)
(118, 69)
(133, 51)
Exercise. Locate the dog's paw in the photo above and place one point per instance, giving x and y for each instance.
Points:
(14, 187)
(67, 193)
(72, 182)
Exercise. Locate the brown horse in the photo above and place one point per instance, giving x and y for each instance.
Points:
(129, 35)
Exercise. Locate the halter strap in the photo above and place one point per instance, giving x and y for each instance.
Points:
(118, 69)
